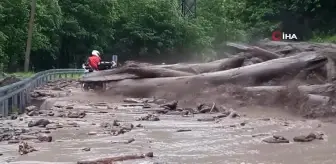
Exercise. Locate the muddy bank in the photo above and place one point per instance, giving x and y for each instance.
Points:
(8, 80)
(288, 98)
(84, 127)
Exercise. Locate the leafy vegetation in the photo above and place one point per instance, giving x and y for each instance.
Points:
(66, 31)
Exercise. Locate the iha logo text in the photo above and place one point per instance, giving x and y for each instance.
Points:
(278, 36)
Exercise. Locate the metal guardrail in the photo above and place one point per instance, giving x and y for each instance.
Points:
(17, 95)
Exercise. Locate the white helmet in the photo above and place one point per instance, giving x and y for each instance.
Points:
(95, 53)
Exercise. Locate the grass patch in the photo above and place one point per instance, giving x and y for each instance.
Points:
(69, 76)
(324, 38)
(22, 74)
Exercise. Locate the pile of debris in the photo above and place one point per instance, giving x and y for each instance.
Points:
(173, 108)
(58, 88)
(9, 80)
(293, 70)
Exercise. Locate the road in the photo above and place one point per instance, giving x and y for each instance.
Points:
(230, 140)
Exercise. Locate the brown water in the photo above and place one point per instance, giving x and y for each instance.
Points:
(207, 143)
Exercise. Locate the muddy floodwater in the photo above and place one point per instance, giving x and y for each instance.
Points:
(174, 138)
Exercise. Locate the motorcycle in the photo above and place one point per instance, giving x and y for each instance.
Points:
(96, 86)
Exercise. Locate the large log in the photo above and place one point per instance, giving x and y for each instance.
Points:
(136, 73)
(237, 46)
(263, 54)
(256, 51)
(318, 99)
(116, 77)
(269, 89)
(317, 89)
(153, 72)
(217, 65)
(306, 89)
(260, 71)
(297, 46)
(113, 160)
(331, 70)
(266, 70)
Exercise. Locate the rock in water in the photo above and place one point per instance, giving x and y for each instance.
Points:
(24, 148)
(276, 139)
(44, 138)
(149, 117)
(40, 122)
(170, 105)
(30, 108)
(76, 114)
(308, 138)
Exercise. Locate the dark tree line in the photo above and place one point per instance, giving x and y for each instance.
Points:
(66, 31)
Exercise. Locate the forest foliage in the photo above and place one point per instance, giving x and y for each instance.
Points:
(66, 31)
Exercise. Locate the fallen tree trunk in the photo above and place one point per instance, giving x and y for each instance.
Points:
(239, 47)
(270, 89)
(153, 72)
(116, 77)
(217, 65)
(317, 89)
(307, 89)
(256, 51)
(263, 54)
(136, 73)
(318, 99)
(112, 160)
(260, 71)
(331, 70)
(266, 70)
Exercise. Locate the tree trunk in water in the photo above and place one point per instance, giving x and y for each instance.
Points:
(218, 65)
(307, 89)
(136, 73)
(318, 99)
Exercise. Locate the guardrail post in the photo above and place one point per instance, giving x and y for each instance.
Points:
(2, 109)
(27, 95)
(38, 81)
(21, 103)
(33, 84)
(41, 79)
(10, 105)
(15, 103)
(6, 107)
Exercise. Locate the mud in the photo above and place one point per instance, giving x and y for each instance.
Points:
(8, 80)
(172, 138)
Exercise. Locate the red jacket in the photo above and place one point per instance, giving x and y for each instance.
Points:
(93, 62)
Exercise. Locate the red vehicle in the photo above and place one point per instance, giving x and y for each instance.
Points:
(93, 64)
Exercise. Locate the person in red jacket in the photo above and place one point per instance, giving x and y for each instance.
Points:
(94, 60)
